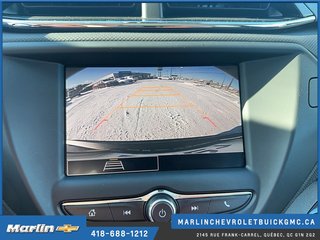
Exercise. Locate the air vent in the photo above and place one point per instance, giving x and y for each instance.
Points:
(61, 4)
(130, 16)
(216, 5)
(69, 9)
(231, 10)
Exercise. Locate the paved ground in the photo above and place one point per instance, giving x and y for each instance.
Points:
(152, 110)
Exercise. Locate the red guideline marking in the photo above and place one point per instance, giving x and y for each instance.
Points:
(207, 118)
(109, 115)
(102, 121)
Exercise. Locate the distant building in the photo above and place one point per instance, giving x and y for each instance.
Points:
(99, 85)
(77, 90)
(106, 81)
(123, 74)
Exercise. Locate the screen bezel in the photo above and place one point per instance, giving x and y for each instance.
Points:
(230, 164)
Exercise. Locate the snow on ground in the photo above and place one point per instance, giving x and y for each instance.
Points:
(152, 110)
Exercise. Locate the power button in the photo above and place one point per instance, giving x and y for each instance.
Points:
(160, 208)
(162, 213)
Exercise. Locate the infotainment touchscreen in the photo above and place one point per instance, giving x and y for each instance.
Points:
(129, 119)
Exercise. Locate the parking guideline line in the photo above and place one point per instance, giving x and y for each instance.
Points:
(210, 121)
(152, 87)
(199, 110)
(158, 106)
(104, 119)
(120, 105)
(154, 95)
(109, 115)
(155, 90)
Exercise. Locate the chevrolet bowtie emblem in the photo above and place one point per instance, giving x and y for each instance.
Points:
(67, 228)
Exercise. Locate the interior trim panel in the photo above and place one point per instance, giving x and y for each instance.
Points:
(56, 24)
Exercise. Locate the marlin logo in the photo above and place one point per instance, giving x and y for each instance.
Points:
(39, 228)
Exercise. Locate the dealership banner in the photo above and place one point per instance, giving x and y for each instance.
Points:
(183, 226)
(66, 228)
(245, 221)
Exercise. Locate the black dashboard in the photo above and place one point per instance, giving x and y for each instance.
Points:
(145, 138)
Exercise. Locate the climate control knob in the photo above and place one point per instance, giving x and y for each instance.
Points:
(160, 208)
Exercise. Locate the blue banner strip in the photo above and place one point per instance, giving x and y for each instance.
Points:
(245, 221)
(66, 228)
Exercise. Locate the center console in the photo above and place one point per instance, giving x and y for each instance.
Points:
(133, 120)
(134, 131)
(158, 206)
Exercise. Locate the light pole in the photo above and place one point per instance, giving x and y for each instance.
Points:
(159, 71)
(230, 83)
(181, 72)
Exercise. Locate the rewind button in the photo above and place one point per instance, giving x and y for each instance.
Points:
(127, 211)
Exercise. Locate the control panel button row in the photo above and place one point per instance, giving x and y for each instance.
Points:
(228, 204)
(92, 212)
(127, 211)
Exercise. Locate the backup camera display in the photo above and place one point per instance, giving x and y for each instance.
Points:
(117, 112)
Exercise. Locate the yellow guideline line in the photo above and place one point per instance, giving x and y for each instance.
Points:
(164, 106)
(155, 87)
(153, 95)
(155, 90)
(109, 115)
